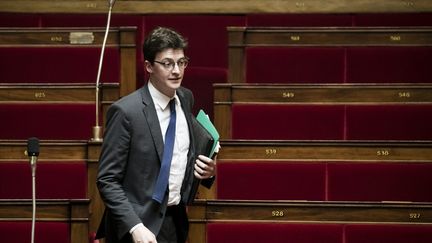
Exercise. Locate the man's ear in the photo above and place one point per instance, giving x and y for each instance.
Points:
(148, 66)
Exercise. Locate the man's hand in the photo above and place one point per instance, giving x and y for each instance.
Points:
(143, 235)
(204, 167)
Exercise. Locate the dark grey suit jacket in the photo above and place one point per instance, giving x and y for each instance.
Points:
(129, 165)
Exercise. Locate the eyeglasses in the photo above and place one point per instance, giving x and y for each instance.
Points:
(169, 64)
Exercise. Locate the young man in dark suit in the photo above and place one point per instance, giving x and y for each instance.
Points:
(149, 133)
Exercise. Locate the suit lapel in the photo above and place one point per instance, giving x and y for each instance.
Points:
(189, 177)
(156, 133)
(152, 121)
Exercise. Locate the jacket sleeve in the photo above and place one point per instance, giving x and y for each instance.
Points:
(112, 167)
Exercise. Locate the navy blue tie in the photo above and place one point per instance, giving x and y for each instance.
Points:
(162, 180)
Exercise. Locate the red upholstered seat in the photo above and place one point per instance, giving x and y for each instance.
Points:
(47, 121)
(379, 182)
(273, 232)
(53, 180)
(389, 122)
(271, 181)
(19, 20)
(45, 232)
(389, 65)
(393, 19)
(298, 20)
(294, 65)
(337, 65)
(200, 80)
(206, 34)
(288, 122)
(390, 233)
(57, 65)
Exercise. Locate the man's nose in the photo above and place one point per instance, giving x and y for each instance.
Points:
(176, 68)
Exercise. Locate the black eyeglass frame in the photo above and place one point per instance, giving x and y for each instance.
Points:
(169, 64)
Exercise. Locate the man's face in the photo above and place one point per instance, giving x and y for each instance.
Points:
(167, 78)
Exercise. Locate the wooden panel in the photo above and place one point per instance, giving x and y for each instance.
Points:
(58, 37)
(325, 151)
(57, 93)
(49, 150)
(322, 94)
(217, 7)
(340, 36)
(97, 206)
(288, 211)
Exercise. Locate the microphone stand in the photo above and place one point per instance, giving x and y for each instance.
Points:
(97, 129)
(33, 151)
(33, 167)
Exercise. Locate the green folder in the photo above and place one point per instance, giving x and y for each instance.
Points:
(204, 120)
(206, 138)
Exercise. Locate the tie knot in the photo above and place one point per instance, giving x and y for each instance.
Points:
(172, 105)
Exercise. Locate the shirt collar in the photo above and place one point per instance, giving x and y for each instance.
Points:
(159, 98)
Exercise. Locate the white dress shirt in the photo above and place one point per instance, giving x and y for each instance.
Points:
(181, 143)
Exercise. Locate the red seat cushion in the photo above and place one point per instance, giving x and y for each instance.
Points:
(47, 121)
(388, 233)
(287, 122)
(299, 20)
(53, 180)
(45, 232)
(273, 232)
(200, 80)
(393, 19)
(58, 65)
(202, 32)
(271, 181)
(389, 122)
(294, 65)
(389, 65)
(380, 182)
(19, 20)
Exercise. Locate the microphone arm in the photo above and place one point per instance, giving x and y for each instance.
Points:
(97, 129)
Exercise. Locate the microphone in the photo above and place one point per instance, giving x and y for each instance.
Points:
(33, 153)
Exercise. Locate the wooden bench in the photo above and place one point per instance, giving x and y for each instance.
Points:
(60, 111)
(56, 221)
(329, 55)
(258, 221)
(73, 54)
(323, 171)
(69, 159)
(323, 112)
(50, 74)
